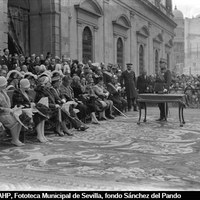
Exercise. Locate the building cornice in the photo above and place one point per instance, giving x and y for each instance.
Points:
(158, 12)
(137, 13)
(78, 7)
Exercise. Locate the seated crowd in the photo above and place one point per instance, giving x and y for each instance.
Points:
(36, 91)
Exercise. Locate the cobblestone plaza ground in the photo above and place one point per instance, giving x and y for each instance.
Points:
(116, 155)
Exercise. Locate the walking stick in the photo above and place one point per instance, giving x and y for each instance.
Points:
(120, 111)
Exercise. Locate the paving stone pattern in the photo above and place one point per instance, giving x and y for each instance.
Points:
(116, 155)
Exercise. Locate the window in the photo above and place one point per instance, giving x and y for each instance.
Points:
(87, 45)
(120, 52)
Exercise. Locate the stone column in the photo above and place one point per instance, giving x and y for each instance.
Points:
(150, 63)
(126, 56)
(95, 43)
(79, 40)
(115, 47)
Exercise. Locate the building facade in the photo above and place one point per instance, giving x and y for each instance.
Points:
(192, 45)
(179, 42)
(109, 31)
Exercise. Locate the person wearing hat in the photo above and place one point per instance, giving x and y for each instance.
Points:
(67, 94)
(128, 82)
(162, 85)
(22, 97)
(55, 82)
(32, 79)
(13, 78)
(44, 89)
(107, 74)
(103, 94)
(79, 94)
(6, 114)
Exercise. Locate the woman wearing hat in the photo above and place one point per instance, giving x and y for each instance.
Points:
(44, 90)
(6, 114)
(32, 79)
(13, 78)
(21, 97)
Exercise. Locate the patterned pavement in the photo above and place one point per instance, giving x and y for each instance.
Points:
(116, 155)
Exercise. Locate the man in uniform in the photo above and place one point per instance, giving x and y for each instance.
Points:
(164, 81)
(128, 81)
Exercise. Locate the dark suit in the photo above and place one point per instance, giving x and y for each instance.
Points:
(128, 81)
(6, 61)
(142, 84)
(68, 94)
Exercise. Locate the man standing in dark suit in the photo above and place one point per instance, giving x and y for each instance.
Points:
(5, 59)
(128, 81)
(142, 82)
(165, 82)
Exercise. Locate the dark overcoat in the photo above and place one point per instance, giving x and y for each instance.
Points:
(128, 81)
(142, 84)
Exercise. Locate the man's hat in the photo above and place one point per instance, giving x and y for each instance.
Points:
(129, 64)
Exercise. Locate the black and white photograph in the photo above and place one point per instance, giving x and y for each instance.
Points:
(99, 96)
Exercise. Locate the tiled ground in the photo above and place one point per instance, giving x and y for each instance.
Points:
(116, 155)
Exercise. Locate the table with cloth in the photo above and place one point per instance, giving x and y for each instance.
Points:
(143, 99)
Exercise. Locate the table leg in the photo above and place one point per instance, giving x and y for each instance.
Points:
(182, 108)
(140, 113)
(145, 112)
(180, 115)
(166, 111)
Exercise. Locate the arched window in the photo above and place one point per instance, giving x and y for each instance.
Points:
(141, 59)
(120, 52)
(156, 61)
(87, 45)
